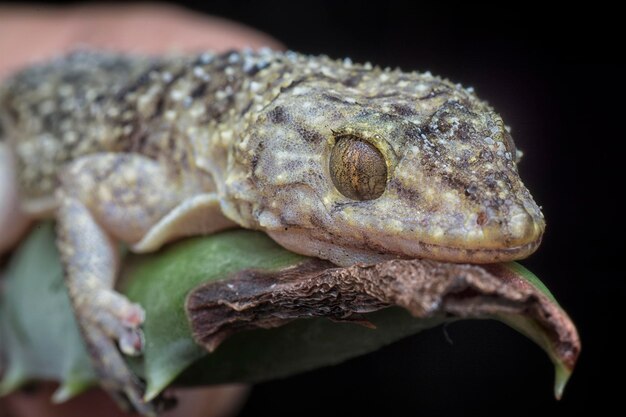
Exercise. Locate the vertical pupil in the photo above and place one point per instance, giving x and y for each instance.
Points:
(358, 169)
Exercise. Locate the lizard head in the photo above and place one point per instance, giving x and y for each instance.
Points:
(368, 164)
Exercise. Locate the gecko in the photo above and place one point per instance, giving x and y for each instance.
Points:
(342, 161)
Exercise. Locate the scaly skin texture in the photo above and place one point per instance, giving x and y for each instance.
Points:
(332, 159)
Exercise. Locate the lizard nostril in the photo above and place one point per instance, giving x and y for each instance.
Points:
(482, 218)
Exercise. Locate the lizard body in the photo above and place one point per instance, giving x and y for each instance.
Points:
(332, 159)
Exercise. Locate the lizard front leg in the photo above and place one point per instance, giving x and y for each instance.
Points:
(109, 198)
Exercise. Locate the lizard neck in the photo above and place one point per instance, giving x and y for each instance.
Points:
(211, 100)
(226, 97)
(202, 109)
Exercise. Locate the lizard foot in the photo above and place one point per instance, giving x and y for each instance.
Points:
(117, 317)
(110, 324)
(111, 327)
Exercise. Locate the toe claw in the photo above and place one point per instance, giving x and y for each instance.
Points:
(132, 342)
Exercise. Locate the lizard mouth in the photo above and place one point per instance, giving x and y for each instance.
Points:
(497, 247)
(345, 253)
(514, 238)
(472, 255)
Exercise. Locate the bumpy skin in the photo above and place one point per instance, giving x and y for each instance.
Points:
(145, 150)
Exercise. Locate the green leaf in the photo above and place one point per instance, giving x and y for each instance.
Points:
(169, 346)
(524, 274)
(563, 363)
(39, 335)
(35, 310)
(302, 345)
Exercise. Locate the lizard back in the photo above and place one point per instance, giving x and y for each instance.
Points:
(54, 113)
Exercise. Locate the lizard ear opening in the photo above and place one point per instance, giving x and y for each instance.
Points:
(358, 169)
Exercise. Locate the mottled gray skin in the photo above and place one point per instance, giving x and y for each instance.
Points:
(146, 150)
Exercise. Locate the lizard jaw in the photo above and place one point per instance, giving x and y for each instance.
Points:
(302, 241)
(471, 255)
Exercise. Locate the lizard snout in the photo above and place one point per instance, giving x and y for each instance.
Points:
(517, 234)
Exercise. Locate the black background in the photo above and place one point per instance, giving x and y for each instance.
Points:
(554, 77)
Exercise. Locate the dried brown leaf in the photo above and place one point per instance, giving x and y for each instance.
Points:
(253, 299)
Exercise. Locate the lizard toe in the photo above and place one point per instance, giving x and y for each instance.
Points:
(120, 325)
(131, 343)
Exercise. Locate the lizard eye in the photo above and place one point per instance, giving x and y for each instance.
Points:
(357, 168)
